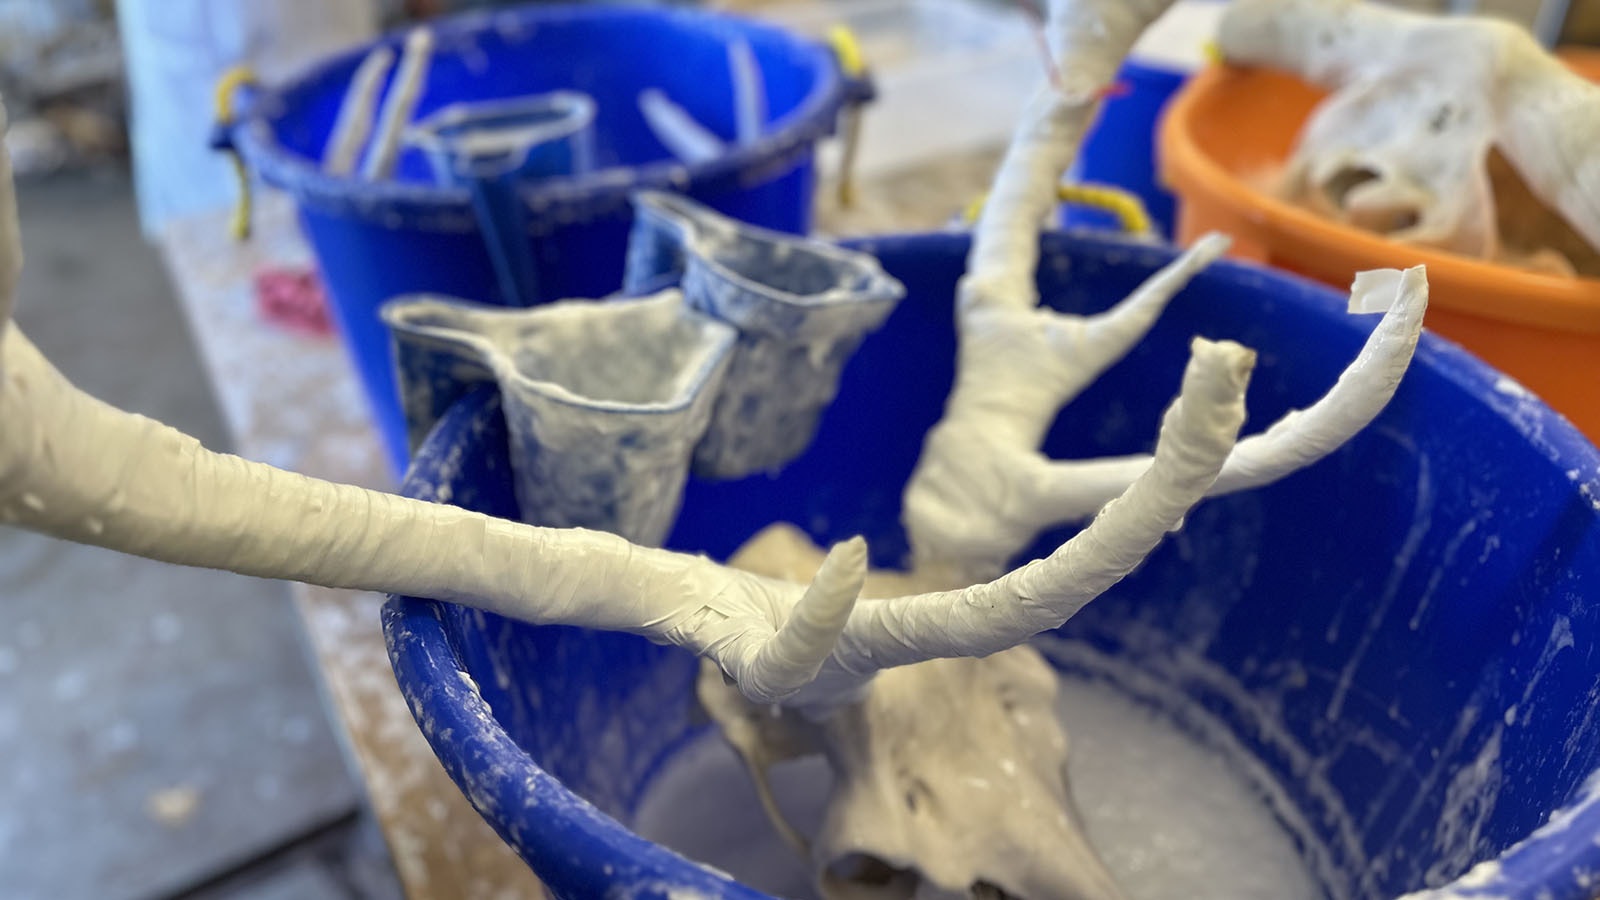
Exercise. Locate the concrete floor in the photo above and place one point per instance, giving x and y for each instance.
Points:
(160, 732)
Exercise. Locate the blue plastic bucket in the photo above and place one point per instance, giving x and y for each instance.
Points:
(379, 240)
(1403, 636)
(1120, 149)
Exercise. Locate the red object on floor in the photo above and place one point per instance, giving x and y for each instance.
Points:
(293, 298)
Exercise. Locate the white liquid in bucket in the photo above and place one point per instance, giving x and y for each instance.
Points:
(1169, 815)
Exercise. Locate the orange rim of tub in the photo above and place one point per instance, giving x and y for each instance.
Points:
(1209, 118)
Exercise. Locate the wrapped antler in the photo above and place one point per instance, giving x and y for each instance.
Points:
(81, 470)
(935, 716)
(981, 491)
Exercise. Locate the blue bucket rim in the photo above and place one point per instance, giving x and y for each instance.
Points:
(576, 196)
(423, 656)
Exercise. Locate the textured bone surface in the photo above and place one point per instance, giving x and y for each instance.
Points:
(1404, 145)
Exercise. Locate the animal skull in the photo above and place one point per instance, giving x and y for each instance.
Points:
(1402, 147)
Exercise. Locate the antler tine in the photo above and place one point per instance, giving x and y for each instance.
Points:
(788, 661)
(1098, 342)
(1363, 389)
(1197, 433)
(1070, 491)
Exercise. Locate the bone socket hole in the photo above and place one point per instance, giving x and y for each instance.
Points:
(863, 877)
(1382, 219)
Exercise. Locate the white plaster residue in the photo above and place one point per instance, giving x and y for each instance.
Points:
(1509, 386)
(1446, 562)
(1560, 639)
(1167, 682)
(173, 807)
(1421, 522)
(1470, 800)
(1148, 794)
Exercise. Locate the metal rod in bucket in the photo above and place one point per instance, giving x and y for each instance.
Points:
(491, 148)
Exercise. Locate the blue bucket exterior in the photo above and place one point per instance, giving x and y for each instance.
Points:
(1120, 149)
(375, 241)
(1368, 629)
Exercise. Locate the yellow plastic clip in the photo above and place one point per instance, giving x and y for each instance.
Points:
(853, 64)
(227, 86)
(1126, 206)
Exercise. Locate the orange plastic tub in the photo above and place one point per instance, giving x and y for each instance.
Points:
(1229, 126)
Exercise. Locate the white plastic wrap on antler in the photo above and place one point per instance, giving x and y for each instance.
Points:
(982, 492)
(1403, 145)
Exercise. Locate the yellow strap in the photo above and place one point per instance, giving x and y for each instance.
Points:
(853, 64)
(1126, 206)
(227, 86)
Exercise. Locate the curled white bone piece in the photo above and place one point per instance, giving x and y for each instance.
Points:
(1403, 145)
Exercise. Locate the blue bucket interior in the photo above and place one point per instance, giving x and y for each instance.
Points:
(1401, 635)
(375, 241)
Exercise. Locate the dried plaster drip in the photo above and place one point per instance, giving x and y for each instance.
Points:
(1403, 146)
